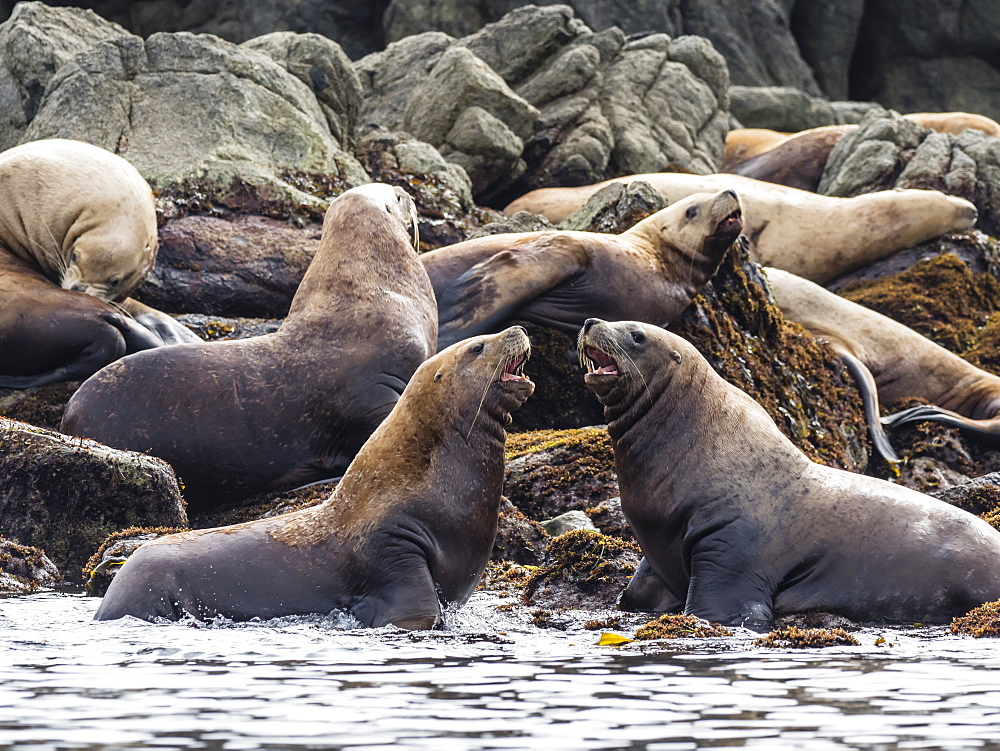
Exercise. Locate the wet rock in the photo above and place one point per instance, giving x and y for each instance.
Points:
(927, 473)
(781, 108)
(677, 626)
(889, 151)
(979, 496)
(257, 123)
(587, 570)
(100, 569)
(42, 407)
(806, 638)
(934, 457)
(24, 569)
(616, 208)
(519, 539)
(979, 622)
(35, 42)
(801, 383)
(555, 471)
(506, 578)
(214, 328)
(610, 520)
(442, 190)
(67, 494)
(814, 619)
(571, 521)
(522, 221)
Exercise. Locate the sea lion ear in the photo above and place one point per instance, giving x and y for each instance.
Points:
(677, 356)
(437, 376)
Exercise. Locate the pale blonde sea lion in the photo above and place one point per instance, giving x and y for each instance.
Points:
(813, 236)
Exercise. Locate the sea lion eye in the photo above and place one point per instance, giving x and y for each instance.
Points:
(477, 349)
(692, 212)
(638, 337)
(75, 258)
(114, 281)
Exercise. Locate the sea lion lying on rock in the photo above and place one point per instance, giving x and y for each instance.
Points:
(276, 411)
(738, 526)
(558, 278)
(77, 236)
(408, 530)
(813, 236)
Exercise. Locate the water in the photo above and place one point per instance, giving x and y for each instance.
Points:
(491, 681)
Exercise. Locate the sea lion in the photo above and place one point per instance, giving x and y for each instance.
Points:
(797, 160)
(558, 278)
(891, 361)
(74, 219)
(813, 236)
(292, 407)
(740, 526)
(408, 529)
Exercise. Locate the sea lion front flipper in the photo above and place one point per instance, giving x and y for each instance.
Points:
(868, 389)
(932, 413)
(166, 327)
(408, 600)
(647, 593)
(727, 592)
(491, 292)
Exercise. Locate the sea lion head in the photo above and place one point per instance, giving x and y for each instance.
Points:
(705, 222)
(392, 199)
(109, 265)
(628, 360)
(483, 374)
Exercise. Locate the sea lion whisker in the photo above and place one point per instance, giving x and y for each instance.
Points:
(489, 382)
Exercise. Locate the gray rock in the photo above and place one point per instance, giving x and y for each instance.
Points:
(826, 33)
(779, 108)
(322, 66)
(35, 42)
(67, 494)
(849, 113)
(256, 124)
(522, 221)
(568, 522)
(615, 208)
(980, 495)
(24, 569)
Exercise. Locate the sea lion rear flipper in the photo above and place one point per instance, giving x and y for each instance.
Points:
(865, 382)
(168, 329)
(647, 593)
(491, 292)
(932, 413)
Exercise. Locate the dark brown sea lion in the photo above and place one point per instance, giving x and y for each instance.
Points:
(558, 278)
(409, 528)
(817, 237)
(891, 361)
(77, 236)
(740, 526)
(797, 160)
(292, 407)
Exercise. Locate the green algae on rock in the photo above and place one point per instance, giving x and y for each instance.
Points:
(806, 638)
(679, 625)
(979, 622)
(66, 495)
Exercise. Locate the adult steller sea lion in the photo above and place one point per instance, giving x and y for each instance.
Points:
(813, 236)
(409, 528)
(740, 526)
(891, 361)
(559, 278)
(288, 408)
(795, 160)
(77, 236)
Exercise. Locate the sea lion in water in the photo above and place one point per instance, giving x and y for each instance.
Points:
(813, 236)
(292, 407)
(558, 278)
(891, 361)
(408, 529)
(740, 526)
(74, 219)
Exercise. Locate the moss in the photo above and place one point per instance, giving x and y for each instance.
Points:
(802, 384)
(979, 622)
(506, 576)
(614, 621)
(591, 563)
(676, 626)
(992, 518)
(985, 350)
(939, 297)
(550, 472)
(805, 638)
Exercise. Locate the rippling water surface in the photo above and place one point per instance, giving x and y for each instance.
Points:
(491, 681)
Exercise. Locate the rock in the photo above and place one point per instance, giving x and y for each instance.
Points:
(257, 127)
(571, 521)
(35, 42)
(441, 189)
(588, 570)
(213, 328)
(550, 472)
(806, 638)
(522, 221)
(519, 539)
(248, 266)
(979, 622)
(616, 208)
(24, 569)
(826, 34)
(610, 520)
(320, 64)
(979, 496)
(889, 151)
(935, 457)
(783, 108)
(102, 566)
(42, 407)
(811, 619)
(67, 494)
(927, 474)
(677, 626)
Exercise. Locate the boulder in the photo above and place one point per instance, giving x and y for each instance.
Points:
(35, 42)
(42, 407)
(66, 495)
(23, 569)
(257, 128)
(826, 33)
(783, 108)
(568, 522)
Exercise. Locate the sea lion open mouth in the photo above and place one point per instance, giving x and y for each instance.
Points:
(733, 221)
(600, 363)
(514, 371)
